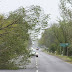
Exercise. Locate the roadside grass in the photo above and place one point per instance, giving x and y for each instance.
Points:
(65, 58)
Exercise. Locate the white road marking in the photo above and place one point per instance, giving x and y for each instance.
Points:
(36, 70)
(36, 65)
(36, 62)
(36, 59)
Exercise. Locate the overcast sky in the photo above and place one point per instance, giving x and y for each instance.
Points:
(49, 6)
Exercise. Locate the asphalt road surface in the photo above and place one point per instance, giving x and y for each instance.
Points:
(45, 63)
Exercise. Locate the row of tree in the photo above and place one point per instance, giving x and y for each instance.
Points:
(61, 32)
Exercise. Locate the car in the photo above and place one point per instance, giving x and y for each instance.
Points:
(36, 54)
(37, 48)
(32, 53)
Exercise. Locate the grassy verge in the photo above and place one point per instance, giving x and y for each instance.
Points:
(65, 58)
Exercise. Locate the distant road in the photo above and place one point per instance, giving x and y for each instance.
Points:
(45, 63)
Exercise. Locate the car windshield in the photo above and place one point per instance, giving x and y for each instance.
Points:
(35, 35)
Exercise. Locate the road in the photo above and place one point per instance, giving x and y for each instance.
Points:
(48, 63)
(45, 63)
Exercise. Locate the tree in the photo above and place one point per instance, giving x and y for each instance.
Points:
(66, 24)
(65, 9)
(37, 19)
(50, 39)
(14, 39)
(60, 32)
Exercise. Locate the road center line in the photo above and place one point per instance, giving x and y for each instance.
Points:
(36, 62)
(36, 65)
(36, 70)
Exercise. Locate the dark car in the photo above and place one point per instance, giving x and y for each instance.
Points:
(37, 48)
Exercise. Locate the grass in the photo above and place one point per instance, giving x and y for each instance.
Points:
(65, 58)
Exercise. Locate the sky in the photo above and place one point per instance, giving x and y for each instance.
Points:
(49, 6)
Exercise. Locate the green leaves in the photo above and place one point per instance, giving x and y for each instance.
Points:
(37, 20)
(60, 32)
(65, 9)
(16, 30)
(14, 38)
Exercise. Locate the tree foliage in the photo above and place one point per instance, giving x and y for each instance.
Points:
(17, 30)
(60, 32)
(37, 19)
(14, 38)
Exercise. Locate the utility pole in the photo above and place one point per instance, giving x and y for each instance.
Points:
(60, 50)
(67, 51)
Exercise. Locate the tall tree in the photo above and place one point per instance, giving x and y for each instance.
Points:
(37, 19)
(66, 14)
(66, 9)
(14, 38)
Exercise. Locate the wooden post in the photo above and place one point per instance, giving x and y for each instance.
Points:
(60, 50)
(67, 51)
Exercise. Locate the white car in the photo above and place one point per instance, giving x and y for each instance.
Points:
(36, 54)
(32, 53)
